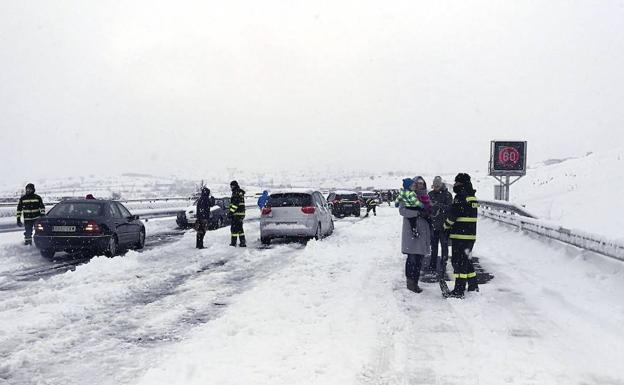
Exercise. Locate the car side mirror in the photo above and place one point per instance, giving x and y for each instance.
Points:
(133, 217)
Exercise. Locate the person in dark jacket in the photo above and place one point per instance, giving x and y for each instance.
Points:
(204, 203)
(237, 213)
(461, 225)
(441, 201)
(371, 205)
(263, 199)
(31, 207)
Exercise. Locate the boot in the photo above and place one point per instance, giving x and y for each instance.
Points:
(27, 242)
(413, 286)
(472, 284)
(242, 242)
(458, 290)
(233, 241)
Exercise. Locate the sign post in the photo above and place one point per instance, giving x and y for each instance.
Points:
(507, 159)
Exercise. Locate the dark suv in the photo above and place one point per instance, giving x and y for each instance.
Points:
(344, 203)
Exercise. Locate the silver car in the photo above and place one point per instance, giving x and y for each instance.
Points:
(295, 213)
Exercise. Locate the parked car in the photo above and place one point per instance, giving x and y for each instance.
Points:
(218, 215)
(93, 225)
(344, 203)
(295, 213)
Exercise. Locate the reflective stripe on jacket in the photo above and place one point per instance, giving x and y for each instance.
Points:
(31, 206)
(462, 220)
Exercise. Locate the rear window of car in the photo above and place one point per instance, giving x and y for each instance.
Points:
(76, 210)
(349, 197)
(290, 200)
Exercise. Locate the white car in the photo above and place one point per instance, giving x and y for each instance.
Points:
(296, 213)
(218, 215)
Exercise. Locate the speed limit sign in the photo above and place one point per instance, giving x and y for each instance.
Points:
(507, 158)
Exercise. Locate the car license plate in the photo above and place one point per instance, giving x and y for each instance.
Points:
(64, 229)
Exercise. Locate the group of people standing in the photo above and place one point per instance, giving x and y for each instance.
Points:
(430, 219)
(236, 211)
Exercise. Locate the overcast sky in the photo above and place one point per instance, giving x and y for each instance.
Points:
(90, 87)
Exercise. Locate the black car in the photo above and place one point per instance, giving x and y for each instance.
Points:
(344, 203)
(91, 225)
(218, 215)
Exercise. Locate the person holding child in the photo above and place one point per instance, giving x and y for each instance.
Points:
(415, 208)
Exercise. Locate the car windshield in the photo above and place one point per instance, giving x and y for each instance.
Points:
(290, 200)
(349, 197)
(76, 210)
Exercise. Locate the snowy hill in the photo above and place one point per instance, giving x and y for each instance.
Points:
(582, 193)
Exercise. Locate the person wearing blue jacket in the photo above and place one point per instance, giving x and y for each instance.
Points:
(263, 199)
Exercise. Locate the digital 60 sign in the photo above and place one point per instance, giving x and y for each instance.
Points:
(507, 158)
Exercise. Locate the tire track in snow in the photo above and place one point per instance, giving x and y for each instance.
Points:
(160, 297)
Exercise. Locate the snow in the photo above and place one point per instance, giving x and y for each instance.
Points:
(334, 311)
(581, 193)
(338, 313)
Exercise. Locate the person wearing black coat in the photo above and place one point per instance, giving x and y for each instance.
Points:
(237, 213)
(31, 207)
(441, 201)
(204, 203)
(461, 224)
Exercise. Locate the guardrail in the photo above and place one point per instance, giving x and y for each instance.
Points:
(505, 207)
(513, 215)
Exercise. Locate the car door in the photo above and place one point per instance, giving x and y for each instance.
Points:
(322, 209)
(328, 214)
(117, 222)
(130, 225)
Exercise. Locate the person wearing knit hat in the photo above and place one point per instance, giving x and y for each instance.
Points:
(237, 213)
(461, 225)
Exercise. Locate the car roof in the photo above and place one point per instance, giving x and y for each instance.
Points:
(294, 190)
(87, 201)
(344, 192)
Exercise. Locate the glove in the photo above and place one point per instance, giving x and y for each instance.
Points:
(19, 222)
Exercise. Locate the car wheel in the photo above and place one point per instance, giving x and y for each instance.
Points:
(111, 248)
(47, 253)
(141, 243)
(265, 241)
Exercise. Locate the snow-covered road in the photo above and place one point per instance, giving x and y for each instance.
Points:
(333, 312)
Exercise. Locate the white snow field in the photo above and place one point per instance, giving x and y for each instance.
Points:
(333, 312)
